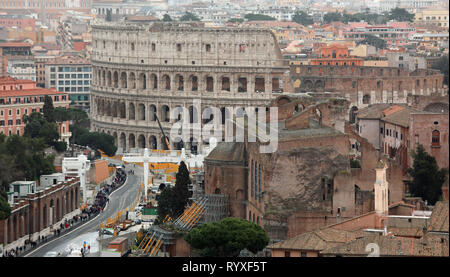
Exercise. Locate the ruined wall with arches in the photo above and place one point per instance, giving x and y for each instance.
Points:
(363, 85)
(140, 71)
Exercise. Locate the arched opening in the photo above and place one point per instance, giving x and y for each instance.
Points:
(352, 115)
(123, 141)
(165, 113)
(319, 85)
(154, 81)
(152, 113)
(131, 141)
(194, 83)
(366, 99)
(114, 109)
(141, 112)
(115, 138)
(131, 111)
(308, 84)
(123, 80)
(153, 144)
(142, 81)
(166, 82)
(132, 80)
(207, 115)
(108, 109)
(141, 141)
(435, 138)
(242, 84)
(298, 108)
(277, 85)
(180, 82)
(177, 113)
(116, 79)
(226, 83)
(122, 110)
(260, 84)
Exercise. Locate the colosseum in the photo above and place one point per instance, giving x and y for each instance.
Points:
(147, 69)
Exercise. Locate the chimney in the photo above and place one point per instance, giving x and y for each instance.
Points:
(381, 189)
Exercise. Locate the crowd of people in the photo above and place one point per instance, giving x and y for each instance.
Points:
(101, 199)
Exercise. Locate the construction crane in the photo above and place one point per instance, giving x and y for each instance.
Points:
(166, 139)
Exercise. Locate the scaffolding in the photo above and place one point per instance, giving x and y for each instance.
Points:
(190, 217)
(216, 208)
(154, 239)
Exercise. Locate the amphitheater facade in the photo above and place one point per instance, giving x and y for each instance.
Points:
(145, 69)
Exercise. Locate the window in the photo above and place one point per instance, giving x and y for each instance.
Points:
(153, 47)
(179, 47)
(303, 254)
(287, 253)
(242, 48)
(17, 121)
(208, 47)
(435, 139)
(10, 122)
(381, 130)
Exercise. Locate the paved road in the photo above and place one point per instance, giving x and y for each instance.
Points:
(120, 199)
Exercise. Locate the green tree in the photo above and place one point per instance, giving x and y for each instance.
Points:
(181, 190)
(96, 140)
(400, 14)
(48, 109)
(427, 178)
(5, 209)
(167, 18)
(442, 65)
(189, 17)
(165, 206)
(354, 163)
(234, 20)
(303, 18)
(227, 237)
(374, 41)
(259, 17)
(334, 17)
(173, 200)
(37, 127)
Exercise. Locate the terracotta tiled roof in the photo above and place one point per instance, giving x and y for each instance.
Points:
(15, 44)
(439, 217)
(373, 111)
(400, 117)
(227, 152)
(29, 92)
(406, 232)
(10, 81)
(317, 240)
(392, 109)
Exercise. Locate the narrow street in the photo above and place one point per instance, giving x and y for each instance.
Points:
(120, 199)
